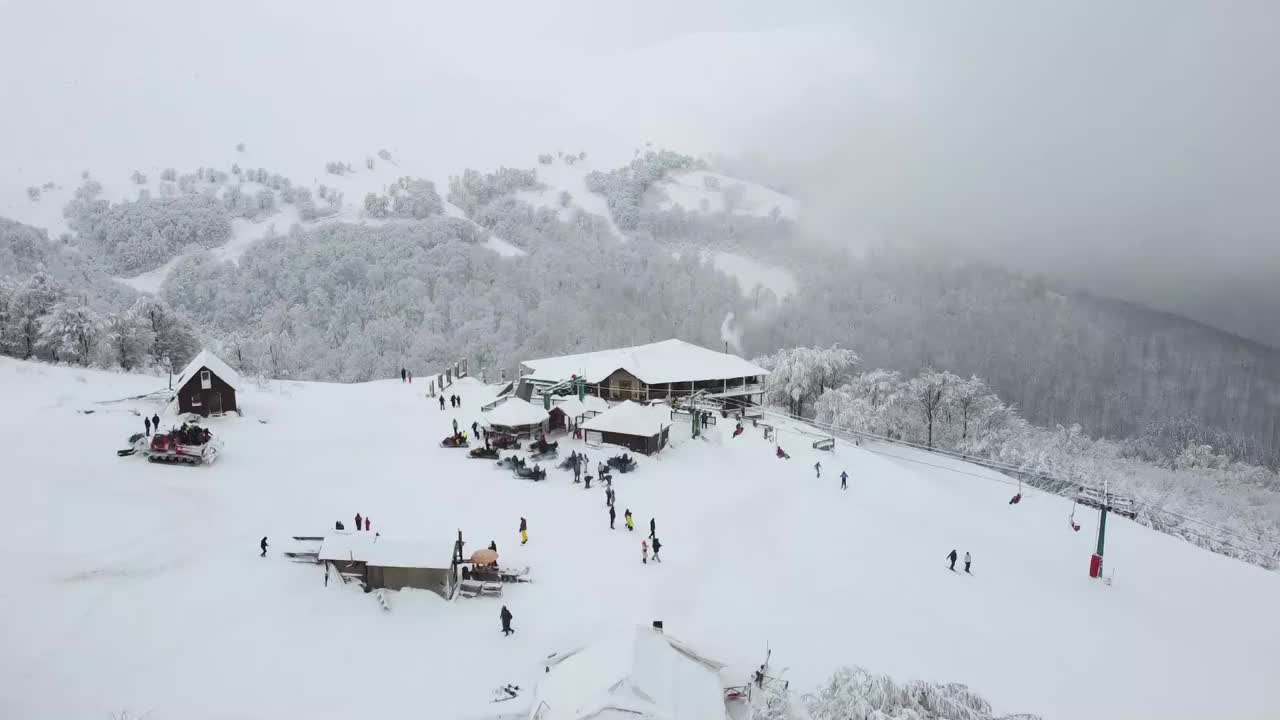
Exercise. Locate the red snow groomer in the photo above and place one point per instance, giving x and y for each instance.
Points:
(188, 446)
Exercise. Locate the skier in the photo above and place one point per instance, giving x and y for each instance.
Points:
(653, 527)
(402, 374)
(657, 545)
(952, 558)
(359, 522)
(263, 545)
(967, 560)
(612, 515)
(626, 516)
(818, 467)
(367, 523)
(1015, 499)
(644, 551)
(524, 531)
(146, 423)
(506, 620)
(844, 480)
(155, 422)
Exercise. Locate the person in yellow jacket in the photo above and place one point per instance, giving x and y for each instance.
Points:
(631, 525)
(524, 531)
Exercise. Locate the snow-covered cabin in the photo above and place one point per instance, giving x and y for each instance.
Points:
(639, 428)
(569, 412)
(517, 418)
(390, 563)
(635, 674)
(667, 369)
(207, 386)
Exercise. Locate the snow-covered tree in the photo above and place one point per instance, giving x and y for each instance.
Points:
(27, 309)
(376, 206)
(929, 391)
(172, 339)
(70, 331)
(125, 341)
(33, 192)
(798, 376)
(853, 693)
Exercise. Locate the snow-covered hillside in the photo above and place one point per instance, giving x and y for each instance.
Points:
(138, 587)
(711, 192)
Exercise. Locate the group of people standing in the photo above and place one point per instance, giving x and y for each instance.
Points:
(406, 376)
(454, 401)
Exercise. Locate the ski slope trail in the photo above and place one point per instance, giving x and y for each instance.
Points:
(139, 587)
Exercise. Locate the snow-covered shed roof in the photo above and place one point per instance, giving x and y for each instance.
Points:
(629, 418)
(346, 547)
(661, 362)
(514, 412)
(573, 407)
(385, 552)
(204, 358)
(637, 673)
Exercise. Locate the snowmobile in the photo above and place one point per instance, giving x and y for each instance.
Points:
(534, 473)
(511, 461)
(454, 441)
(542, 448)
(504, 442)
(622, 463)
(489, 453)
(174, 448)
(136, 443)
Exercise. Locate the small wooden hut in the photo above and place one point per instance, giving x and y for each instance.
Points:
(207, 386)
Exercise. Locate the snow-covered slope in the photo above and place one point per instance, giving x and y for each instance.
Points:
(561, 177)
(711, 192)
(139, 587)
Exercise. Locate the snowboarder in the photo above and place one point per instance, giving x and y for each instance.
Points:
(952, 558)
(146, 423)
(657, 545)
(844, 480)
(644, 551)
(653, 527)
(506, 620)
(818, 468)
(967, 560)
(524, 531)
(368, 524)
(359, 522)
(155, 422)
(441, 403)
(612, 516)
(402, 374)
(626, 516)
(263, 545)
(782, 455)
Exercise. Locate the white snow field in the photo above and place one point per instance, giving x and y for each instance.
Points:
(137, 587)
(690, 190)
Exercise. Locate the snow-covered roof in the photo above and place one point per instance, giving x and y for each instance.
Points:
(637, 673)
(409, 553)
(346, 547)
(514, 412)
(573, 407)
(661, 362)
(628, 418)
(204, 358)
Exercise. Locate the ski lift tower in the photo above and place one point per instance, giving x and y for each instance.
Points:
(1106, 502)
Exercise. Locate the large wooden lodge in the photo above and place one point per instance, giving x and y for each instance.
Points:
(661, 370)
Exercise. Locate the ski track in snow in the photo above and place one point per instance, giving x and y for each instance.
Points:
(142, 588)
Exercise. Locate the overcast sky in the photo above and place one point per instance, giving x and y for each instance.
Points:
(1128, 147)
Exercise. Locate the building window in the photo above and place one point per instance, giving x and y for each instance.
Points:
(206, 381)
(195, 400)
